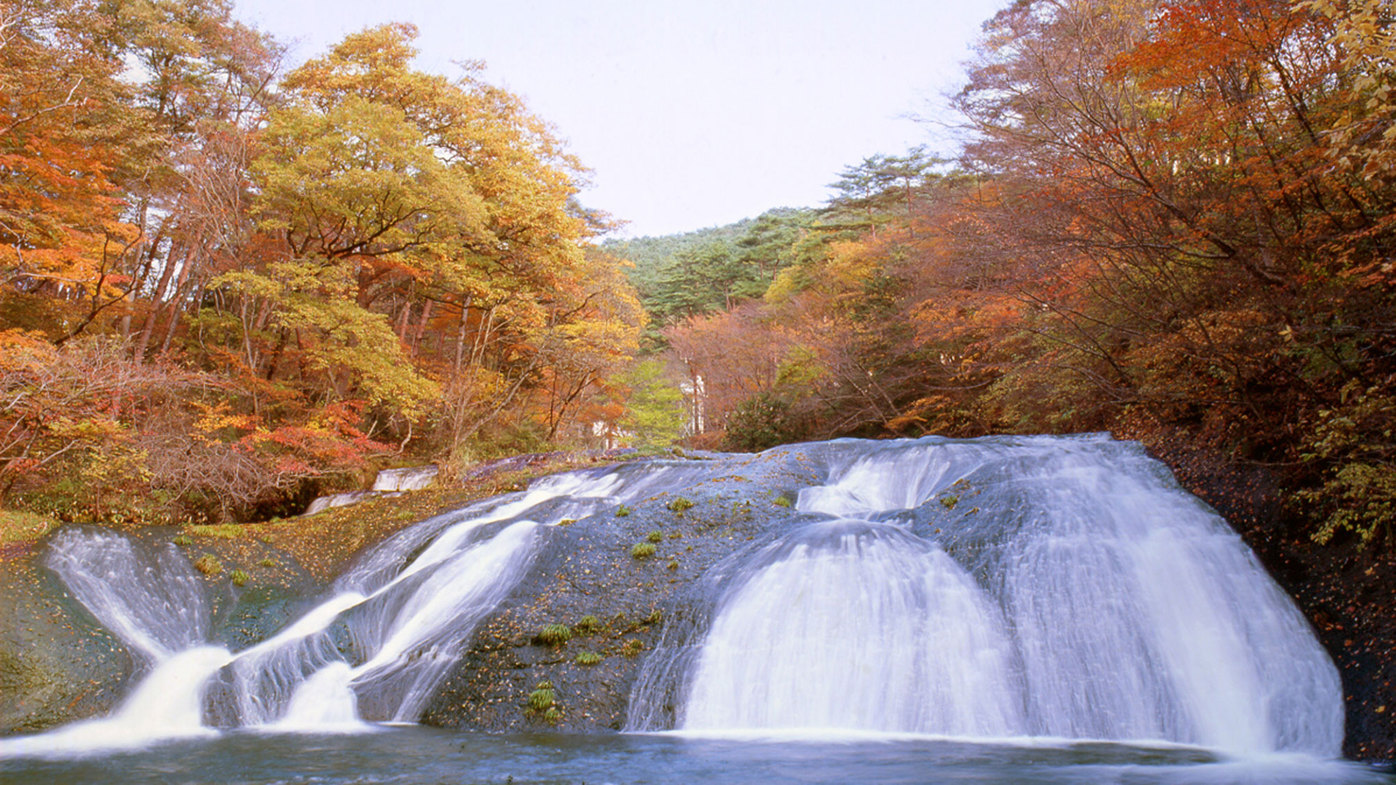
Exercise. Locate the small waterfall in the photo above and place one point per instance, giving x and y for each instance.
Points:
(857, 626)
(1008, 586)
(374, 649)
(151, 598)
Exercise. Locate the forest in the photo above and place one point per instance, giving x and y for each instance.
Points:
(229, 286)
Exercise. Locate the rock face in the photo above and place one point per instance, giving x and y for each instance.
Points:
(598, 568)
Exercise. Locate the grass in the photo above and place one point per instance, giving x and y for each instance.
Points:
(542, 698)
(23, 527)
(554, 634)
(588, 658)
(223, 531)
(209, 565)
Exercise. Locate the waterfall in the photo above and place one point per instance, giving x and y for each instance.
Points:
(932, 656)
(1000, 587)
(1004, 587)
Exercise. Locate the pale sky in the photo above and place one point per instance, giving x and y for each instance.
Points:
(689, 114)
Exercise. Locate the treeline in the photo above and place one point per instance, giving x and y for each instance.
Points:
(1173, 221)
(224, 288)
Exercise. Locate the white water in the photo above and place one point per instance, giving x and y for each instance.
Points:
(1008, 588)
(1029, 587)
(933, 657)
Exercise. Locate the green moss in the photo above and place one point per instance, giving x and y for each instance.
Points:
(632, 647)
(782, 501)
(542, 698)
(184, 541)
(223, 531)
(554, 634)
(655, 537)
(209, 565)
(588, 658)
(553, 715)
(672, 565)
(16, 526)
(622, 511)
(642, 550)
(949, 502)
(240, 578)
(587, 625)
(679, 504)
(267, 562)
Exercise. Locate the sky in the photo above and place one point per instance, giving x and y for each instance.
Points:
(690, 114)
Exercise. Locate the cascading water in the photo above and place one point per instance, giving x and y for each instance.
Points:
(1060, 587)
(1004, 587)
(407, 608)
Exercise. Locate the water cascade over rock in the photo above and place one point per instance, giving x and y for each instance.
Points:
(1006, 587)
(1060, 587)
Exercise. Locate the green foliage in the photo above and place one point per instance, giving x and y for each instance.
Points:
(554, 635)
(542, 698)
(759, 423)
(642, 550)
(209, 565)
(655, 537)
(552, 715)
(632, 647)
(239, 577)
(588, 624)
(588, 658)
(1357, 493)
(622, 511)
(679, 504)
(710, 269)
(654, 412)
(672, 565)
(782, 501)
(183, 540)
(949, 502)
(267, 561)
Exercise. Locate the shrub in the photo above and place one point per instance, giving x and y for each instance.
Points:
(542, 698)
(588, 658)
(642, 550)
(759, 422)
(555, 634)
(209, 565)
